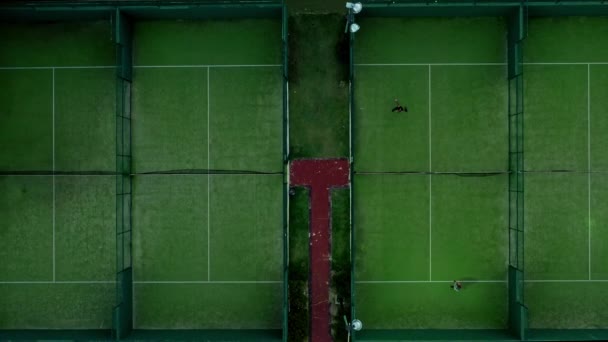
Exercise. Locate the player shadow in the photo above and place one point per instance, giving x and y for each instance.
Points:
(468, 282)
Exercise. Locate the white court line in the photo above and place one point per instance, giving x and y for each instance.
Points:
(589, 162)
(428, 64)
(53, 110)
(60, 67)
(430, 186)
(567, 281)
(210, 66)
(212, 282)
(143, 66)
(59, 282)
(424, 281)
(478, 64)
(208, 178)
(565, 63)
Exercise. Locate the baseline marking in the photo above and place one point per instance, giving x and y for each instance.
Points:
(142, 66)
(424, 281)
(567, 281)
(211, 282)
(53, 110)
(477, 281)
(428, 64)
(210, 66)
(589, 162)
(60, 282)
(566, 63)
(478, 64)
(60, 67)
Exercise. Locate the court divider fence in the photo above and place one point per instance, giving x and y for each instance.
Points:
(122, 315)
(517, 25)
(351, 149)
(285, 42)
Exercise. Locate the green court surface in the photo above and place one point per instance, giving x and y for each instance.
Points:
(416, 233)
(206, 108)
(58, 234)
(565, 224)
(456, 100)
(207, 248)
(190, 238)
(412, 242)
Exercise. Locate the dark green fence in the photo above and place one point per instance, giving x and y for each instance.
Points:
(123, 311)
(517, 24)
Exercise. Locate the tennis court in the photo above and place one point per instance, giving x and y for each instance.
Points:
(57, 241)
(431, 185)
(566, 75)
(207, 147)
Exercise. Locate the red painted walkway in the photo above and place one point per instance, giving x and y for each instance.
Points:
(320, 175)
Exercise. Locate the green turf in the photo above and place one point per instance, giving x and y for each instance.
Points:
(208, 306)
(556, 226)
(85, 119)
(340, 281)
(318, 87)
(246, 227)
(171, 126)
(26, 237)
(26, 123)
(169, 120)
(432, 305)
(599, 226)
(57, 44)
(340, 230)
(251, 41)
(246, 119)
(299, 229)
(386, 141)
(430, 40)
(567, 305)
(555, 127)
(392, 227)
(315, 6)
(469, 220)
(599, 121)
(57, 306)
(170, 220)
(85, 228)
(468, 118)
(170, 228)
(567, 39)
(299, 260)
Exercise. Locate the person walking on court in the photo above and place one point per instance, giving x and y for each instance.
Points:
(399, 108)
(456, 285)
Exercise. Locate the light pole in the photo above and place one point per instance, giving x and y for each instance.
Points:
(355, 325)
(353, 8)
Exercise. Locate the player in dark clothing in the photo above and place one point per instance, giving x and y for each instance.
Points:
(456, 286)
(399, 108)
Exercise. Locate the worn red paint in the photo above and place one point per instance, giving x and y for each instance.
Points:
(320, 175)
